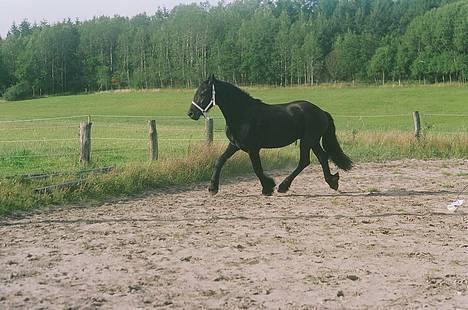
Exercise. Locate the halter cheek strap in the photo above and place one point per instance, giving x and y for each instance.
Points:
(212, 102)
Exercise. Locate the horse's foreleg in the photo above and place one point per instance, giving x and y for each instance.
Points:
(268, 184)
(304, 161)
(214, 184)
(322, 156)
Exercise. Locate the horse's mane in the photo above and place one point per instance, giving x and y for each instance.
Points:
(236, 92)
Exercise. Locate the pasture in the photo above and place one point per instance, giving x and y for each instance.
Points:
(50, 141)
(41, 136)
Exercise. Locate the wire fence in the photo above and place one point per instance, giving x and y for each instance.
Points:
(46, 144)
(52, 144)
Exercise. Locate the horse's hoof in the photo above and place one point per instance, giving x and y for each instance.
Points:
(283, 188)
(333, 181)
(268, 187)
(268, 191)
(213, 190)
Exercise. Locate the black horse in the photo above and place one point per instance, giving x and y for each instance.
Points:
(252, 125)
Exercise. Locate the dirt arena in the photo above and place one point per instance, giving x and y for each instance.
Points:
(385, 241)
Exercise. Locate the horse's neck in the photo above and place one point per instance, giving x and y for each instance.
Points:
(236, 106)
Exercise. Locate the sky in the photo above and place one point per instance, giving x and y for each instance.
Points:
(57, 10)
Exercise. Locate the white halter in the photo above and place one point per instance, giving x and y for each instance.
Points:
(212, 102)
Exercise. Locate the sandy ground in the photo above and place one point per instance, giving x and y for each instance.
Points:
(385, 241)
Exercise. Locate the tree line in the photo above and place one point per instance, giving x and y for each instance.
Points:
(280, 42)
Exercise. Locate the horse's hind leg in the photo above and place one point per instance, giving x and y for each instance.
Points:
(268, 184)
(322, 156)
(304, 161)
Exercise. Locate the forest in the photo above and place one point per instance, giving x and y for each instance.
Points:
(247, 42)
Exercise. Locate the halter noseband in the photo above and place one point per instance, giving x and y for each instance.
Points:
(212, 102)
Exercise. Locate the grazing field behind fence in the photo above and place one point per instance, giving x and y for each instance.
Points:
(53, 144)
(40, 139)
(28, 146)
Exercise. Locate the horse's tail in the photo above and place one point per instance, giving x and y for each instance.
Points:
(333, 148)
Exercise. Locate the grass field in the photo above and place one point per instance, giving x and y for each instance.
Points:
(119, 137)
(341, 102)
(374, 123)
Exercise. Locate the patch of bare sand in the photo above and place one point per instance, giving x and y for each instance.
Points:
(386, 240)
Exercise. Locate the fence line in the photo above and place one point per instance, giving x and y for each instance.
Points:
(39, 155)
(104, 139)
(38, 127)
(192, 139)
(118, 150)
(42, 119)
(35, 140)
(69, 154)
(118, 127)
(122, 139)
(99, 116)
(371, 116)
(172, 117)
(185, 118)
(143, 128)
(118, 143)
(140, 116)
(445, 115)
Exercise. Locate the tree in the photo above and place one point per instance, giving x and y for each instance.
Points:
(282, 42)
(354, 51)
(4, 75)
(313, 56)
(382, 62)
(257, 39)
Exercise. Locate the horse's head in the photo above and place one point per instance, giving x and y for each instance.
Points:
(204, 99)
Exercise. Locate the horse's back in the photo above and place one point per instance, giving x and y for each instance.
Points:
(313, 117)
(281, 124)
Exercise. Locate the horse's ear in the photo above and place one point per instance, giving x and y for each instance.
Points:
(211, 78)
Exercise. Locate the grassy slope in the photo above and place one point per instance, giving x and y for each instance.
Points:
(363, 139)
(338, 101)
(381, 101)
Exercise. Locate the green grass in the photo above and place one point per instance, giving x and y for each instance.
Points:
(341, 102)
(121, 141)
(347, 104)
(53, 145)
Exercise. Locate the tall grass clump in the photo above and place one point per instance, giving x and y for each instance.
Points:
(391, 145)
(18, 194)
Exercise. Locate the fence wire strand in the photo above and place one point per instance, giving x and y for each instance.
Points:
(41, 119)
(36, 140)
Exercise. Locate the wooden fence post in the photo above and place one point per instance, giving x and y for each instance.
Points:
(85, 142)
(209, 130)
(153, 143)
(417, 124)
